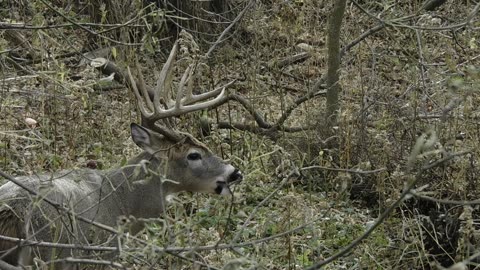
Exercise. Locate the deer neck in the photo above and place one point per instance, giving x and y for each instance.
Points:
(141, 186)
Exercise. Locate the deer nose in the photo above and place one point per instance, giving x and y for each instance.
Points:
(236, 176)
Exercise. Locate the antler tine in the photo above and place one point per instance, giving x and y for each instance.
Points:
(143, 87)
(186, 78)
(180, 109)
(185, 101)
(189, 93)
(164, 80)
(140, 99)
(201, 106)
(190, 98)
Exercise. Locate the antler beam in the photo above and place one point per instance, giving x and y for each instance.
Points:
(185, 101)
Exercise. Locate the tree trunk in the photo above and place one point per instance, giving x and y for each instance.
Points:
(333, 45)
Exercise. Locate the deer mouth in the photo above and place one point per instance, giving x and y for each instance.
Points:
(222, 188)
(235, 177)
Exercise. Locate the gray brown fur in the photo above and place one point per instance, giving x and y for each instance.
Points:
(104, 196)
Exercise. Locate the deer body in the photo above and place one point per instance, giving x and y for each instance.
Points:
(67, 206)
(137, 189)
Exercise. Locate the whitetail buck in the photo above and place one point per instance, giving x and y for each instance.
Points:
(171, 162)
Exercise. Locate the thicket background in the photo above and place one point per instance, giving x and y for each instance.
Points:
(305, 196)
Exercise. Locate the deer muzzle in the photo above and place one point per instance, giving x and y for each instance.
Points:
(235, 177)
(223, 187)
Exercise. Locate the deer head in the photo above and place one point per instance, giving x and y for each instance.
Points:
(191, 165)
(191, 162)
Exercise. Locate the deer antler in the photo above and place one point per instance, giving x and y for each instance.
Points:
(162, 106)
(156, 104)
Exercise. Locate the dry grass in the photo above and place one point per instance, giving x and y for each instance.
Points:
(386, 99)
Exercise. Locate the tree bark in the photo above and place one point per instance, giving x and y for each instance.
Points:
(333, 46)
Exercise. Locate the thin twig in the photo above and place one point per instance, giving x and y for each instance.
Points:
(397, 22)
(88, 30)
(443, 201)
(192, 260)
(227, 29)
(87, 261)
(156, 248)
(363, 36)
(23, 26)
(25, 242)
(357, 171)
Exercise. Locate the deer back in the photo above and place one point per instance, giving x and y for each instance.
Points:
(136, 189)
(27, 216)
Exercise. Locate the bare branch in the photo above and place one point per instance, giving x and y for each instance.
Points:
(292, 173)
(265, 128)
(88, 261)
(443, 201)
(398, 22)
(83, 27)
(237, 19)
(363, 36)
(357, 171)
(293, 59)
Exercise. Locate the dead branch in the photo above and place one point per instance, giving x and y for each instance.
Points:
(290, 60)
(264, 128)
(227, 29)
(88, 262)
(443, 201)
(26, 242)
(292, 173)
(363, 36)
(158, 249)
(354, 171)
(20, 41)
(84, 28)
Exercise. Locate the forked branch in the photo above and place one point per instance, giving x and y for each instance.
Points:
(262, 127)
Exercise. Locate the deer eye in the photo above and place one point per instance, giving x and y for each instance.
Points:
(194, 156)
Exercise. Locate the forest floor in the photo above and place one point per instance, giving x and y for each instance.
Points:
(304, 196)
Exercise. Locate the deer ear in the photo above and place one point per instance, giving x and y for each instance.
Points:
(142, 137)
